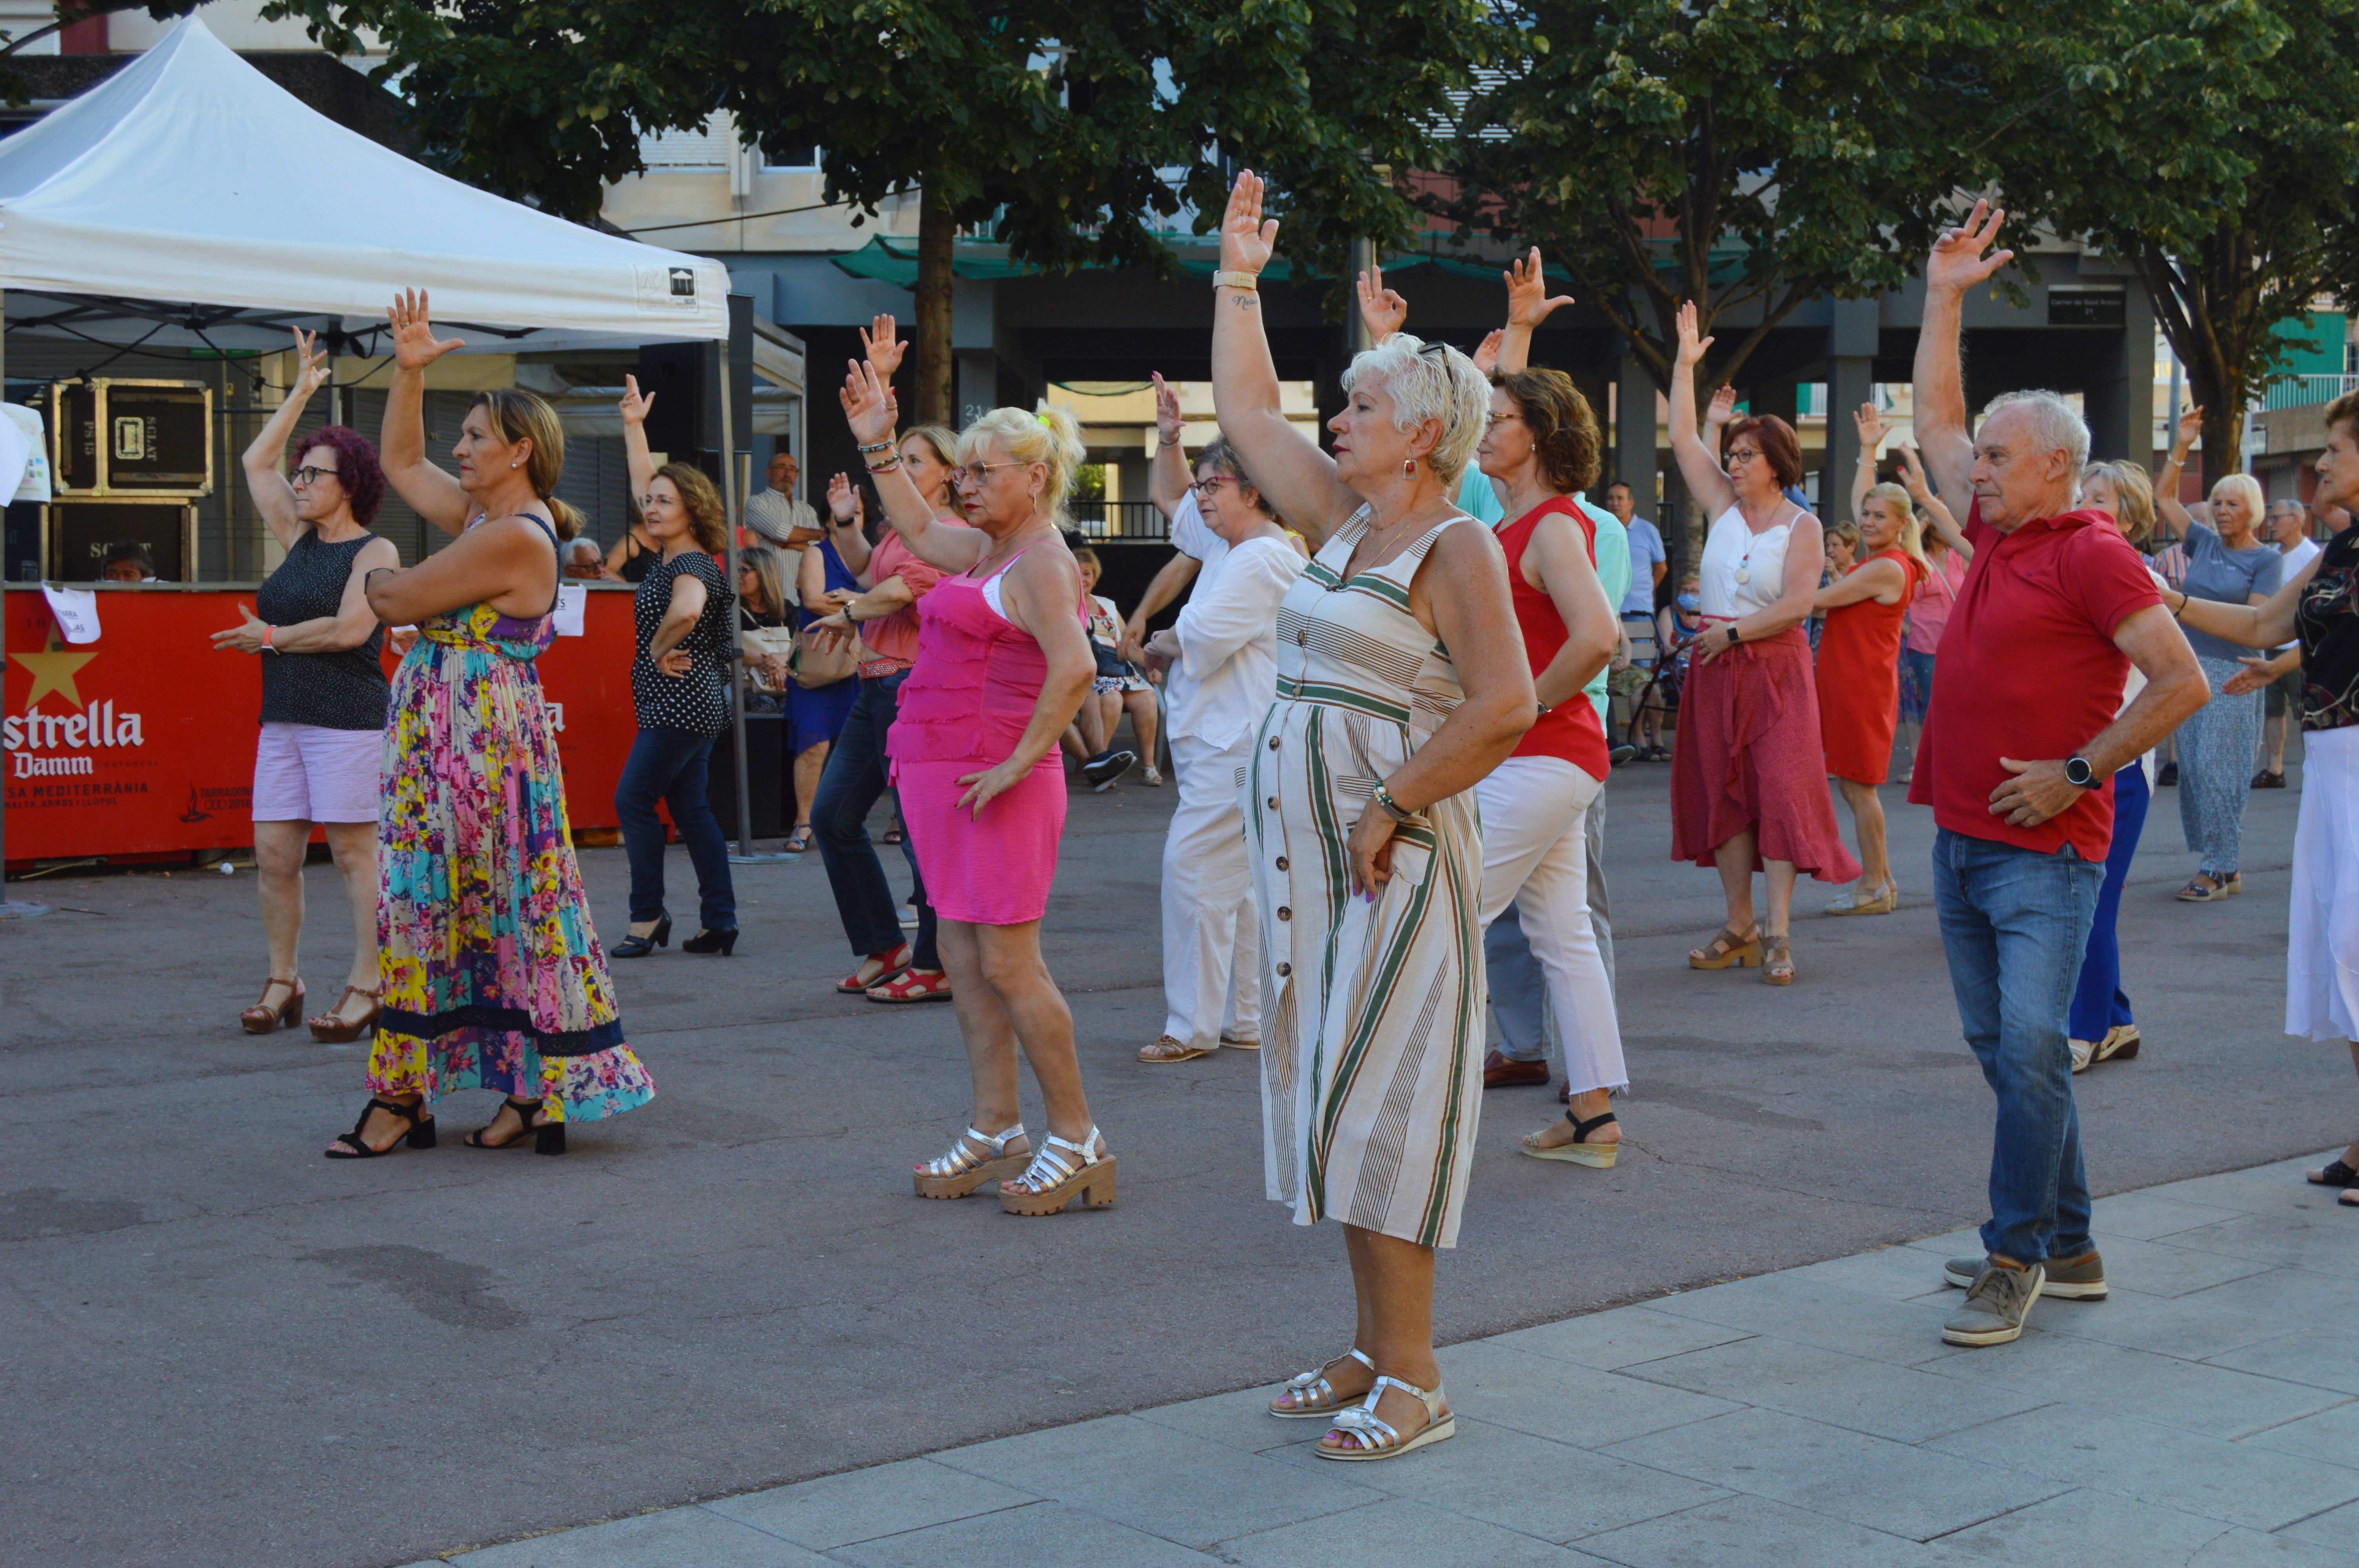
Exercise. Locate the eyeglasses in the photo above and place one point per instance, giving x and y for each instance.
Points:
(1498, 419)
(309, 475)
(1205, 487)
(1739, 455)
(980, 472)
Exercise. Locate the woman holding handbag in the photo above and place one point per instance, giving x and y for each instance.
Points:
(827, 673)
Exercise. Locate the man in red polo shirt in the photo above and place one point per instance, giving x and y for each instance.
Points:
(2020, 744)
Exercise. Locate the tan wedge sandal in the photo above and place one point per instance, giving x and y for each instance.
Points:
(1776, 961)
(964, 1168)
(1312, 1394)
(1059, 1172)
(1369, 1436)
(1730, 949)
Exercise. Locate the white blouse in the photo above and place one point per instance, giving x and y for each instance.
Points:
(1733, 550)
(1226, 675)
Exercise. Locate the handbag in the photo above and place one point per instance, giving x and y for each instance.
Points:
(765, 641)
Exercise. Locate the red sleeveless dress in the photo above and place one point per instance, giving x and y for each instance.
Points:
(1574, 731)
(1859, 678)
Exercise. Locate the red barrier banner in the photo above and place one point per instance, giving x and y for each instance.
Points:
(143, 741)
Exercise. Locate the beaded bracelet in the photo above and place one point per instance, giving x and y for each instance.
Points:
(876, 447)
(885, 468)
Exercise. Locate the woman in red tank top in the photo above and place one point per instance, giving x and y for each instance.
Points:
(1859, 674)
(1542, 445)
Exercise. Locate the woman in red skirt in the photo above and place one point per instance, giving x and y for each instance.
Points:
(1749, 779)
(1859, 672)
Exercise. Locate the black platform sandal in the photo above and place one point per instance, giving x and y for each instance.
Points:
(352, 1146)
(548, 1137)
(2336, 1174)
(640, 947)
(1580, 1151)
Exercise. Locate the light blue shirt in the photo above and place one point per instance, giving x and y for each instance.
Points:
(1646, 553)
(1476, 498)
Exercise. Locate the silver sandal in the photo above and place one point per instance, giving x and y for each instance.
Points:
(1313, 1385)
(1376, 1438)
(1059, 1171)
(959, 1172)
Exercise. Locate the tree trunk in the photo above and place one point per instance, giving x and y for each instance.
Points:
(2224, 436)
(936, 395)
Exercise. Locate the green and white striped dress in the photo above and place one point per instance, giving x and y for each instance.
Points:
(1371, 1055)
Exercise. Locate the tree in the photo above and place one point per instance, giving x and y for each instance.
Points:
(2212, 147)
(1068, 129)
(1749, 155)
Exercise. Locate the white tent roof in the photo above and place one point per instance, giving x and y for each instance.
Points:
(189, 175)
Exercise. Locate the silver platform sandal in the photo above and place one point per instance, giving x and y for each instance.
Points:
(1372, 1437)
(959, 1172)
(1313, 1393)
(1057, 1173)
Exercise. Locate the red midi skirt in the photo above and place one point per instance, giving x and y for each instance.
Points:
(1748, 756)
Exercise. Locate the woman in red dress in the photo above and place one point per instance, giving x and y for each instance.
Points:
(1859, 674)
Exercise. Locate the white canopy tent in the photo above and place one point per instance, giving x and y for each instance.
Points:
(190, 198)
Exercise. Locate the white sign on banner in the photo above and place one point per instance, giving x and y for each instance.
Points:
(33, 483)
(572, 603)
(76, 609)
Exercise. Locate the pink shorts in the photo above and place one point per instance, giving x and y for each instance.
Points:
(305, 773)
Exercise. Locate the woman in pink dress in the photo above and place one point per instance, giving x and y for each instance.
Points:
(1003, 665)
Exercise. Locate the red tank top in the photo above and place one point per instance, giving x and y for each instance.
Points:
(1573, 732)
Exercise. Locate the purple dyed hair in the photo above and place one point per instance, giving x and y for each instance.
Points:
(357, 469)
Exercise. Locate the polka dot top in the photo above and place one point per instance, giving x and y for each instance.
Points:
(697, 702)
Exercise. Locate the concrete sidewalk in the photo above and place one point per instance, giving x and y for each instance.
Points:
(2206, 1413)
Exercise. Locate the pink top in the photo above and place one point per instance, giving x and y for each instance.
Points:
(1930, 613)
(893, 638)
(977, 679)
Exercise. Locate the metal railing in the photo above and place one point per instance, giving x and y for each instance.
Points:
(1119, 519)
(2300, 391)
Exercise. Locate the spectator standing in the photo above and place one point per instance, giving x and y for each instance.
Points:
(323, 698)
(783, 519)
(2019, 751)
(2289, 530)
(2228, 563)
(829, 576)
(1748, 778)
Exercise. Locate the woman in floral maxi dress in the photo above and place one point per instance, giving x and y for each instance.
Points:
(491, 973)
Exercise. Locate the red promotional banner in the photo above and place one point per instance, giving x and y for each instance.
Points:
(143, 741)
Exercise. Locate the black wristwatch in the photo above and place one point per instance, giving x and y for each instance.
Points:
(2080, 775)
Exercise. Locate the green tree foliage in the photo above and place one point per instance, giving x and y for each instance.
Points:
(1748, 155)
(2213, 146)
(1072, 130)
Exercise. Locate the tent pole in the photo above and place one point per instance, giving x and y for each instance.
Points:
(730, 503)
(10, 909)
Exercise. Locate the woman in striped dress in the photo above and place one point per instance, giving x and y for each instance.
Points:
(1398, 689)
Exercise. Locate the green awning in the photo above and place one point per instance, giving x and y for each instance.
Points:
(895, 261)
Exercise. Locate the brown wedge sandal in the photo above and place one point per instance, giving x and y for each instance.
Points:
(964, 1168)
(262, 1018)
(330, 1029)
(1059, 1172)
(1730, 949)
(1776, 961)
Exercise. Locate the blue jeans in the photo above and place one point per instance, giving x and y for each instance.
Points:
(2014, 926)
(669, 765)
(854, 778)
(2099, 1004)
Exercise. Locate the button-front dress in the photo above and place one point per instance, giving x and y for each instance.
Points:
(1371, 1056)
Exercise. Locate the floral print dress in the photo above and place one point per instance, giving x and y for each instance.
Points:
(491, 973)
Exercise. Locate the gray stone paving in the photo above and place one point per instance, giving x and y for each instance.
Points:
(2207, 1413)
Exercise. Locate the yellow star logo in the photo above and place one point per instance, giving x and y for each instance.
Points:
(52, 671)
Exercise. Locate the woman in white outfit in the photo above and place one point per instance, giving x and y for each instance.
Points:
(1223, 676)
(1542, 449)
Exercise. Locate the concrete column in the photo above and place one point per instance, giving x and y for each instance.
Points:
(1635, 460)
(2119, 399)
(1850, 383)
(975, 384)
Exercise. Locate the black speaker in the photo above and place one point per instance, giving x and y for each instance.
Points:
(685, 422)
(81, 531)
(132, 437)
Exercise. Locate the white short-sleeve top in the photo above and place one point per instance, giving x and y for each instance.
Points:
(1733, 550)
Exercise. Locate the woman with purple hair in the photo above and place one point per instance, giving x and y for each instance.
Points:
(323, 696)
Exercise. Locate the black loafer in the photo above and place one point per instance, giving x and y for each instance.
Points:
(640, 947)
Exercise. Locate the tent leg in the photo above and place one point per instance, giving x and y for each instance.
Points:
(730, 502)
(12, 909)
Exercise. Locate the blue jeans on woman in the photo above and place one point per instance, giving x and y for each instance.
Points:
(669, 765)
(854, 779)
(2014, 924)
(2099, 1004)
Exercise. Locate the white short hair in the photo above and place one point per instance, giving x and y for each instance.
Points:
(2054, 424)
(1429, 381)
(581, 548)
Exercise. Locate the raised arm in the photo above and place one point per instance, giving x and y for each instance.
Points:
(1382, 311)
(1167, 479)
(1529, 305)
(846, 525)
(1871, 435)
(1956, 264)
(2166, 483)
(274, 497)
(1912, 478)
(1299, 479)
(634, 410)
(401, 442)
(1698, 466)
(869, 406)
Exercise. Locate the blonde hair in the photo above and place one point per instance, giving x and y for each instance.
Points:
(1429, 381)
(1912, 531)
(520, 416)
(1047, 436)
(763, 562)
(2245, 488)
(2133, 489)
(1085, 557)
(941, 437)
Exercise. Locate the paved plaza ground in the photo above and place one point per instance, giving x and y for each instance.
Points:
(226, 1350)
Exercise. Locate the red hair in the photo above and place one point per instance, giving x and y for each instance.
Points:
(357, 469)
(1780, 447)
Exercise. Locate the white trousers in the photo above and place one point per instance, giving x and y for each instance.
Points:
(1212, 935)
(2322, 938)
(1536, 857)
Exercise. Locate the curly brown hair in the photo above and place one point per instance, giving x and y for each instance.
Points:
(702, 500)
(1564, 426)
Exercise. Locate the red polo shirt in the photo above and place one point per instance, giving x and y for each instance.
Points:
(2028, 670)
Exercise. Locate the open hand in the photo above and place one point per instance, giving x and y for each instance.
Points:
(1692, 347)
(312, 370)
(2037, 792)
(244, 638)
(1247, 242)
(1870, 420)
(1723, 407)
(869, 405)
(635, 404)
(1958, 261)
(1912, 472)
(1170, 425)
(833, 631)
(1528, 304)
(883, 349)
(841, 500)
(1380, 309)
(2191, 428)
(2255, 676)
(1487, 353)
(414, 344)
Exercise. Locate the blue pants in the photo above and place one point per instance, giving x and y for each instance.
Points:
(2014, 926)
(854, 778)
(2099, 1004)
(669, 765)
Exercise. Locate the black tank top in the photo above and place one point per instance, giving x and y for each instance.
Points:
(343, 690)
